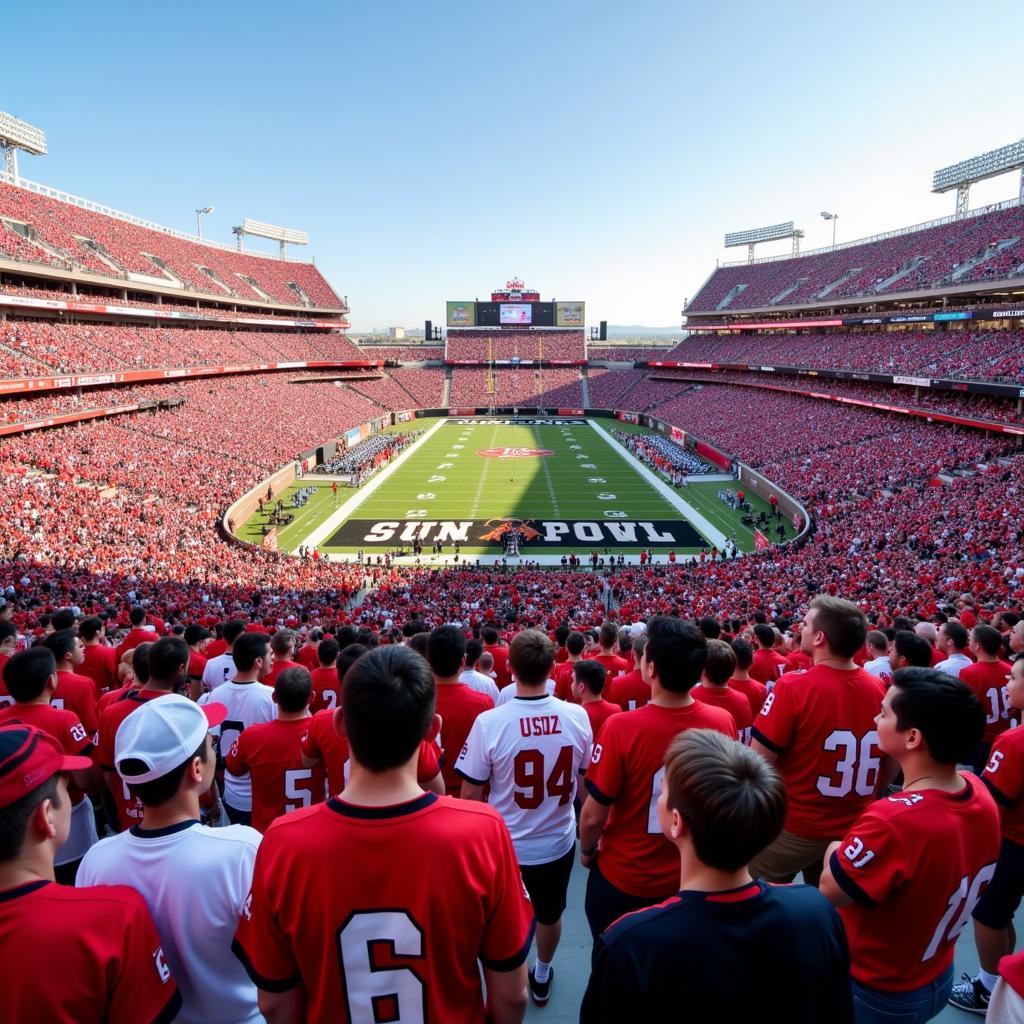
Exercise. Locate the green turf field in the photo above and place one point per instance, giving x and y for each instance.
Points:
(583, 495)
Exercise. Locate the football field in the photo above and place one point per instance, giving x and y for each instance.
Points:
(566, 485)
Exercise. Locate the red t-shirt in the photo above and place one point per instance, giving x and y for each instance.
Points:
(626, 773)
(458, 705)
(599, 711)
(915, 865)
(129, 808)
(729, 700)
(798, 662)
(78, 693)
(100, 666)
(1012, 969)
(307, 656)
(767, 666)
(112, 696)
(103, 965)
(821, 723)
(613, 664)
(135, 636)
(504, 677)
(323, 742)
(629, 691)
(563, 676)
(277, 669)
(373, 934)
(988, 680)
(1004, 776)
(216, 647)
(326, 689)
(755, 692)
(196, 665)
(272, 755)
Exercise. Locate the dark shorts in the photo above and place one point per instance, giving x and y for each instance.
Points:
(237, 817)
(1002, 896)
(605, 903)
(547, 885)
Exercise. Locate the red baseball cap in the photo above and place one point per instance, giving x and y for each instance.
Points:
(28, 758)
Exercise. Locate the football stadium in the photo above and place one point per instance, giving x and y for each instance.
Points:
(509, 666)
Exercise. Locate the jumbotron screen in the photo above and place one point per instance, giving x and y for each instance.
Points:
(523, 314)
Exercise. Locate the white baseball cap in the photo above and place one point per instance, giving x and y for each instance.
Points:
(164, 733)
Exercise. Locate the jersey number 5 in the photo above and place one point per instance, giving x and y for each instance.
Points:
(374, 993)
(857, 767)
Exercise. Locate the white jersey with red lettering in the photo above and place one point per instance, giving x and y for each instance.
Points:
(532, 751)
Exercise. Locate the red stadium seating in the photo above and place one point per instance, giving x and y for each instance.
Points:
(481, 345)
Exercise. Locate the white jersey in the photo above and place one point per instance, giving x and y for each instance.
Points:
(248, 704)
(532, 751)
(506, 693)
(195, 881)
(478, 681)
(880, 668)
(218, 671)
(953, 665)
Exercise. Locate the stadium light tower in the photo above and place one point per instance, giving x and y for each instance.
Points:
(771, 233)
(989, 165)
(199, 222)
(825, 215)
(16, 134)
(286, 236)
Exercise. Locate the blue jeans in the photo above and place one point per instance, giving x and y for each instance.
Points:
(873, 1006)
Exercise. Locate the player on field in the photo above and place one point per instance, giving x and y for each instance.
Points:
(382, 904)
(988, 678)
(457, 704)
(195, 880)
(271, 754)
(249, 703)
(588, 687)
(31, 677)
(724, 948)
(819, 727)
(91, 956)
(910, 869)
(631, 864)
(531, 751)
(714, 688)
(994, 935)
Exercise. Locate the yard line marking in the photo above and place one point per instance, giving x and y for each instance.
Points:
(483, 477)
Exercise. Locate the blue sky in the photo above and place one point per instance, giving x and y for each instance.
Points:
(597, 150)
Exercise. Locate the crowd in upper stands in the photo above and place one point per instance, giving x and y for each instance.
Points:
(480, 345)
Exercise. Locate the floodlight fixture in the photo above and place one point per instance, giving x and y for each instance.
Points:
(962, 175)
(771, 233)
(199, 214)
(825, 215)
(286, 236)
(16, 134)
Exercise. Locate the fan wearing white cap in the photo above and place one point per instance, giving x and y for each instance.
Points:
(194, 879)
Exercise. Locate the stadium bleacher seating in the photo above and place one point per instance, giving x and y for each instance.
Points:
(481, 345)
(403, 353)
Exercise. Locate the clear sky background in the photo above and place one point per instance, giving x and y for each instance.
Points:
(599, 150)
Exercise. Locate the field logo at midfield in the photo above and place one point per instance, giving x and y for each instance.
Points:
(497, 528)
(514, 453)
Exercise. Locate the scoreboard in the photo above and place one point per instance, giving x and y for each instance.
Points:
(516, 314)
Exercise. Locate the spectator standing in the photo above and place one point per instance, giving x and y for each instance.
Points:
(952, 642)
(99, 660)
(589, 680)
(988, 677)
(220, 668)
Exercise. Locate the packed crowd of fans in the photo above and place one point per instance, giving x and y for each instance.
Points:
(627, 353)
(615, 389)
(527, 386)
(925, 259)
(968, 353)
(403, 353)
(481, 345)
(129, 248)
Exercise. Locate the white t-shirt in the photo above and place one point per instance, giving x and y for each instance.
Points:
(532, 750)
(506, 693)
(219, 670)
(248, 704)
(195, 881)
(880, 668)
(481, 683)
(954, 665)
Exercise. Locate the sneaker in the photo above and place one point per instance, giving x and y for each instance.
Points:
(970, 995)
(540, 991)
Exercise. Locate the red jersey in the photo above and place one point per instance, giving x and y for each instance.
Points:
(458, 705)
(100, 666)
(278, 668)
(326, 689)
(272, 755)
(629, 691)
(1004, 777)
(767, 666)
(798, 662)
(196, 665)
(129, 807)
(988, 680)
(216, 647)
(599, 711)
(613, 664)
(5, 697)
(307, 656)
(501, 669)
(915, 865)
(563, 676)
(112, 696)
(821, 724)
(755, 692)
(135, 636)
(373, 934)
(78, 693)
(323, 742)
(103, 965)
(729, 700)
(626, 773)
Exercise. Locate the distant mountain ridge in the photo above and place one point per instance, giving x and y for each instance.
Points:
(640, 331)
